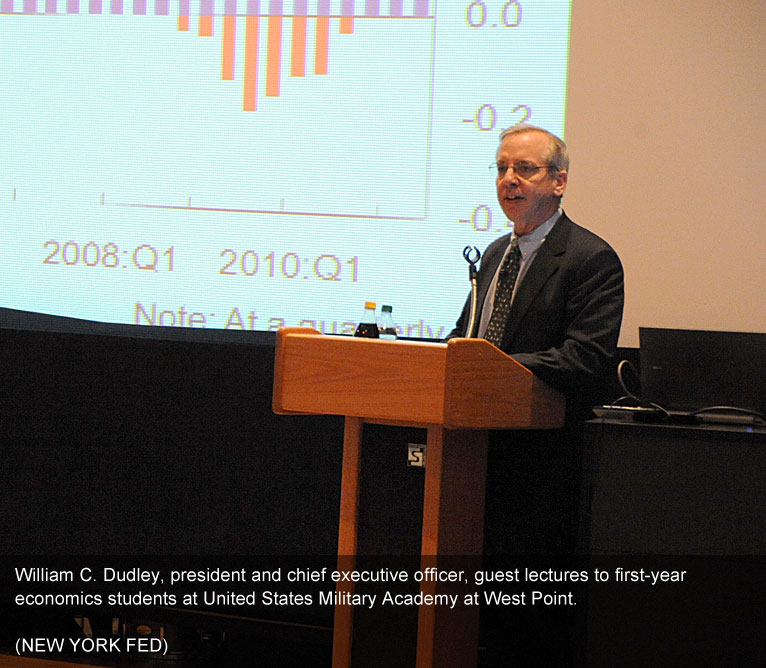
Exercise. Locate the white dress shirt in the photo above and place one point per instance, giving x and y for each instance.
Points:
(529, 244)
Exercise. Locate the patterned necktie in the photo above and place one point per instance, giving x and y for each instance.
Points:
(501, 307)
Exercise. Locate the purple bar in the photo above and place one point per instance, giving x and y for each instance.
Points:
(30, 6)
(347, 9)
(300, 7)
(372, 8)
(396, 7)
(50, 6)
(73, 6)
(275, 7)
(421, 7)
(253, 7)
(323, 8)
(161, 8)
(6, 6)
(95, 7)
(205, 7)
(116, 7)
(183, 8)
(230, 8)
(139, 7)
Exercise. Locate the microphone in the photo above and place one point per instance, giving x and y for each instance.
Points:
(472, 256)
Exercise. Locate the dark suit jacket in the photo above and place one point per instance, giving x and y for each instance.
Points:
(565, 318)
(563, 326)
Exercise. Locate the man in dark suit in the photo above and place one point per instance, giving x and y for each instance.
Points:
(567, 299)
(563, 292)
(550, 295)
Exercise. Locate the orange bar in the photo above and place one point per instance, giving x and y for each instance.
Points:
(205, 26)
(298, 66)
(251, 64)
(274, 56)
(183, 23)
(227, 64)
(322, 45)
(346, 25)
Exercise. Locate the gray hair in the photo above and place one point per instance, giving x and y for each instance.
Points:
(557, 158)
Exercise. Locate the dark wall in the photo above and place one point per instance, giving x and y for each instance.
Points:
(124, 445)
(119, 439)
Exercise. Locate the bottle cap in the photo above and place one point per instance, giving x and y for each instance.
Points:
(370, 305)
(386, 308)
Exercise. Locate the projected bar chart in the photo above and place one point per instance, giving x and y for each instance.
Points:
(250, 163)
(309, 68)
(229, 15)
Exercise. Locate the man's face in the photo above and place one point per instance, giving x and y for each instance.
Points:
(528, 200)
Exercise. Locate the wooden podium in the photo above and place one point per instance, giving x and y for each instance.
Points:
(457, 391)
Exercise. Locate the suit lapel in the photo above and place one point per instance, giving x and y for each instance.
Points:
(546, 263)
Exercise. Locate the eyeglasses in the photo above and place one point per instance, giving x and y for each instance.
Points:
(524, 170)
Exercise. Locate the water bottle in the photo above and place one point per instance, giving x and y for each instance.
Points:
(368, 327)
(386, 325)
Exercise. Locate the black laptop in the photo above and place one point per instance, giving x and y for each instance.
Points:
(686, 371)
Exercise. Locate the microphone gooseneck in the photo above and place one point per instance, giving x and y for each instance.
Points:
(472, 256)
